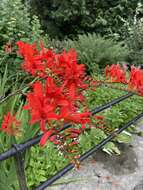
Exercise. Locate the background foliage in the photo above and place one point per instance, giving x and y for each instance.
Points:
(68, 18)
(134, 36)
(16, 23)
(96, 51)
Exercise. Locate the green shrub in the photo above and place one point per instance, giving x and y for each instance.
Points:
(96, 51)
(134, 37)
(72, 17)
(15, 22)
(43, 163)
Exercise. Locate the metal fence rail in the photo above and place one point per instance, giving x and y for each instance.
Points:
(18, 149)
(36, 140)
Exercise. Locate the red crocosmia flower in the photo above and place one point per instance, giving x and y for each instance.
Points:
(57, 94)
(56, 101)
(74, 143)
(74, 94)
(74, 135)
(73, 116)
(115, 73)
(26, 50)
(37, 62)
(41, 108)
(71, 72)
(53, 138)
(45, 62)
(83, 127)
(32, 63)
(10, 125)
(81, 118)
(73, 130)
(45, 137)
(52, 90)
(100, 117)
(136, 79)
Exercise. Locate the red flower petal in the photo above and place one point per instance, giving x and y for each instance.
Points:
(45, 137)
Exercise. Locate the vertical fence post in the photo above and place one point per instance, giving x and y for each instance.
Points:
(19, 163)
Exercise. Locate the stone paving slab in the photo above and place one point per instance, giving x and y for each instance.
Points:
(104, 172)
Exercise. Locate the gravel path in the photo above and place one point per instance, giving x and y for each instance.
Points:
(102, 172)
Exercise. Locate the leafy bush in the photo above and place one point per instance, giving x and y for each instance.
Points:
(134, 37)
(72, 17)
(96, 51)
(16, 23)
(43, 163)
(11, 74)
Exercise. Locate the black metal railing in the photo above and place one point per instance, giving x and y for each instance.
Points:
(17, 150)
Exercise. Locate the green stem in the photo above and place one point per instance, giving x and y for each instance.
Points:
(2, 144)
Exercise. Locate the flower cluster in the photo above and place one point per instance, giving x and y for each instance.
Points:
(10, 125)
(136, 80)
(57, 96)
(56, 99)
(45, 62)
(116, 73)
